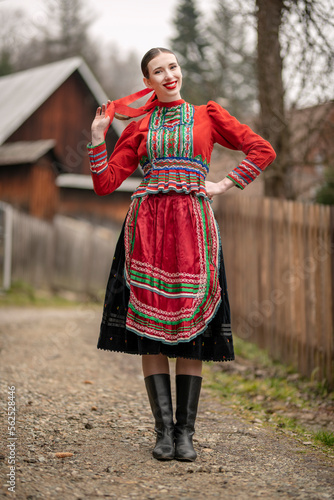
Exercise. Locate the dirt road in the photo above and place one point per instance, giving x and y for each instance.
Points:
(72, 398)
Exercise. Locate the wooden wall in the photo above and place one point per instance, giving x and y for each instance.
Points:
(30, 188)
(279, 260)
(15, 185)
(44, 194)
(66, 117)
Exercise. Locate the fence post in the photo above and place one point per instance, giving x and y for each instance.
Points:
(7, 232)
(331, 218)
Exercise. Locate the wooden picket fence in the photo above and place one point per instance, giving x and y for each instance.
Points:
(279, 260)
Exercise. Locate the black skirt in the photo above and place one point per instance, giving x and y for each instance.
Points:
(214, 344)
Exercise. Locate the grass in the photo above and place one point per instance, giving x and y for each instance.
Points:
(325, 437)
(22, 294)
(268, 393)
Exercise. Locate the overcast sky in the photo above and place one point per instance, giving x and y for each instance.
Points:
(133, 24)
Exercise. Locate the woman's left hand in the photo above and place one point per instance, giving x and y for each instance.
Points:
(214, 188)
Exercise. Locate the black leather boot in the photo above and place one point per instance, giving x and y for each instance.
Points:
(188, 388)
(159, 395)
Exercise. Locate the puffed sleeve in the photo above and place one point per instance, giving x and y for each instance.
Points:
(108, 175)
(232, 134)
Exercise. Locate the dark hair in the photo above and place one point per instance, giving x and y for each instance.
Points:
(151, 54)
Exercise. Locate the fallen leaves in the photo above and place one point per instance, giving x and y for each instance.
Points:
(64, 454)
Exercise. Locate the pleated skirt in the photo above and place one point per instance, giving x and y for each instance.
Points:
(167, 291)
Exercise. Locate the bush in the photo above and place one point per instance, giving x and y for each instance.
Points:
(325, 195)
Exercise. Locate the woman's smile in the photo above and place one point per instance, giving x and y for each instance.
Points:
(170, 85)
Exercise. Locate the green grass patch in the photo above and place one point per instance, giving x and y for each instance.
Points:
(266, 392)
(22, 294)
(325, 437)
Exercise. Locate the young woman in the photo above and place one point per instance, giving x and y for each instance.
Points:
(166, 294)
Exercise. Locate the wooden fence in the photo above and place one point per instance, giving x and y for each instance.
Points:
(64, 255)
(279, 260)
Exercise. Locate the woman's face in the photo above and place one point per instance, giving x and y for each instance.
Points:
(165, 77)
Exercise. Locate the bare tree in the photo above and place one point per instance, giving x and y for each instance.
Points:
(295, 66)
(274, 125)
(12, 38)
(39, 41)
(307, 42)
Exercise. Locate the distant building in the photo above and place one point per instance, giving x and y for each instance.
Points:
(312, 148)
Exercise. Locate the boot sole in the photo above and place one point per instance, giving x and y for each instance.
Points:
(181, 459)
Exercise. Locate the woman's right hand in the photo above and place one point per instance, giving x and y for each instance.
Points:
(100, 125)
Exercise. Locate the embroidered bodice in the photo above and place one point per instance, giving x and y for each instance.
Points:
(173, 145)
(170, 163)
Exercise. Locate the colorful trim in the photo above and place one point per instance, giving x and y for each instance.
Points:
(90, 146)
(183, 175)
(98, 158)
(245, 173)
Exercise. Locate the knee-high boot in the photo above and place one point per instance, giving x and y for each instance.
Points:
(188, 388)
(159, 395)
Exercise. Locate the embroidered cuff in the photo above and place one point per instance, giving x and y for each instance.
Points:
(90, 146)
(98, 158)
(244, 174)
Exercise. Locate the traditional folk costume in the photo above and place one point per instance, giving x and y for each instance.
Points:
(167, 289)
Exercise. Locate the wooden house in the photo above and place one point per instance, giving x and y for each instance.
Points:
(312, 148)
(45, 119)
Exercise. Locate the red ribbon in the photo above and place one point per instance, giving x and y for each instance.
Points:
(121, 106)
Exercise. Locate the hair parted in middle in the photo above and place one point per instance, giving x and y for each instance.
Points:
(151, 54)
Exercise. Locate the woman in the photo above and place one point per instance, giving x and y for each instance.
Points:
(166, 294)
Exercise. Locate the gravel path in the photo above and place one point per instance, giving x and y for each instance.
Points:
(72, 398)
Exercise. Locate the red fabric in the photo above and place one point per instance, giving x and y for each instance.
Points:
(121, 106)
(232, 134)
(172, 261)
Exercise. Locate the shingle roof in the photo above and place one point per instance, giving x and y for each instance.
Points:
(20, 152)
(23, 92)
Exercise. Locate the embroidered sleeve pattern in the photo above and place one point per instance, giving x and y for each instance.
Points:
(98, 158)
(244, 174)
(108, 174)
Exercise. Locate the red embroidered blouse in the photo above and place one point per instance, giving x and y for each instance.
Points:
(173, 144)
